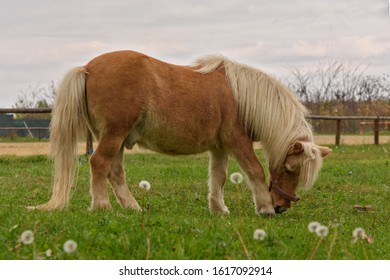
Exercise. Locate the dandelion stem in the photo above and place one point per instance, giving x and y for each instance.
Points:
(143, 211)
(239, 207)
(333, 242)
(35, 255)
(313, 253)
(147, 248)
(243, 245)
(365, 253)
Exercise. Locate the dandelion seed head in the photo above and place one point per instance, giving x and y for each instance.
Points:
(236, 178)
(70, 246)
(144, 185)
(49, 253)
(359, 233)
(313, 226)
(259, 234)
(27, 237)
(322, 231)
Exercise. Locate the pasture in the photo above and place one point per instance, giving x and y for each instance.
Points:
(176, 223)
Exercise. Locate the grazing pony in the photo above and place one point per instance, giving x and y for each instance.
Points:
(215, 105)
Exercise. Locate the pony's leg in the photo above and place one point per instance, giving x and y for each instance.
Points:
(101, 162)
(242, 150)
(118, 182)
(217, 178)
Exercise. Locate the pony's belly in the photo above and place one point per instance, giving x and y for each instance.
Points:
(175, 147)
(177, 135)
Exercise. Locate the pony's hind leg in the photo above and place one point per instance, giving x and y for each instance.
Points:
(217, 179)
(242, 150)
(118, 183)
(100, 163)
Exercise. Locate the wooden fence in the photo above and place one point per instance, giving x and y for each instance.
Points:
(337, 119)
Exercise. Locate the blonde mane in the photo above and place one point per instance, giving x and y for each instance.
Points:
(272, 114)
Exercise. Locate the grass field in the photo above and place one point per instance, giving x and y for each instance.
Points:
(177, 223)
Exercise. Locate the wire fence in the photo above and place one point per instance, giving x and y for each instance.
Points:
(12, 130)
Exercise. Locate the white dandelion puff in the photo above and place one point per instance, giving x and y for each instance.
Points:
(259, 234)
(359, 233)
(27, 237)
(49, 253)
(313, 226)
(322, 231)
(236, 178)
(144, 185)
(70, 246)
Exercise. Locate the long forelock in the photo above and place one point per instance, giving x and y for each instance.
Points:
(311, 163)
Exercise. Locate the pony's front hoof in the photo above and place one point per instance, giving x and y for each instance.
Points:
(217, 207)
(135, 207)
(267, 212)
(222, 212)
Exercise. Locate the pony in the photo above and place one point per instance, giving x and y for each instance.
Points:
(213, 105)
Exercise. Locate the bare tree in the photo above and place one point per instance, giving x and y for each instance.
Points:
(338, 88)
(374, 88)
(40, 96)
(338, 81)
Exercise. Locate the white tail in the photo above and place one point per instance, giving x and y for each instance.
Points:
(68, 124)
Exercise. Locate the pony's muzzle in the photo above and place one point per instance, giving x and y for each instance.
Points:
(280, 209)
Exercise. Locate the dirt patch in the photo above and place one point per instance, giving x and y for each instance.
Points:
(27, 149)
(350, 139)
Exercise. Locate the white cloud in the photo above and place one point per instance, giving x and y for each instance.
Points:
(364, 47)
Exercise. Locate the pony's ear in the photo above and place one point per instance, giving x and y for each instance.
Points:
(324, 151)
(297, 148)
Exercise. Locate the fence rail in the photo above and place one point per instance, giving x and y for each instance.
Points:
(24, 111)
(337, 119)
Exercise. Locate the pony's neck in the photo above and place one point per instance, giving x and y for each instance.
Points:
(271, 113)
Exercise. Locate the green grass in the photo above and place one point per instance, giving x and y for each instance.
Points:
(178, 224)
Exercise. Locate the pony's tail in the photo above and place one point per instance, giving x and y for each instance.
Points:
(68, 124)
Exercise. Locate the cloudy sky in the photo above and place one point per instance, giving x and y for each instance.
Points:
(41, 39)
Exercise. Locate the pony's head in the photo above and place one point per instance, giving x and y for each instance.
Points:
(300, 167)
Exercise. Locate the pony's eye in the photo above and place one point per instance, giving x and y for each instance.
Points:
(286, 170)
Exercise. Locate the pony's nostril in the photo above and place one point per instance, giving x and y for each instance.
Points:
(280, 209)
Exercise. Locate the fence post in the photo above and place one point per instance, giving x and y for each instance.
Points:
(376, 131)
(338, 129)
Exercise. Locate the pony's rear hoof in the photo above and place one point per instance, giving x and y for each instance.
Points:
(104, 205)
(45, 207)
(100, 208)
